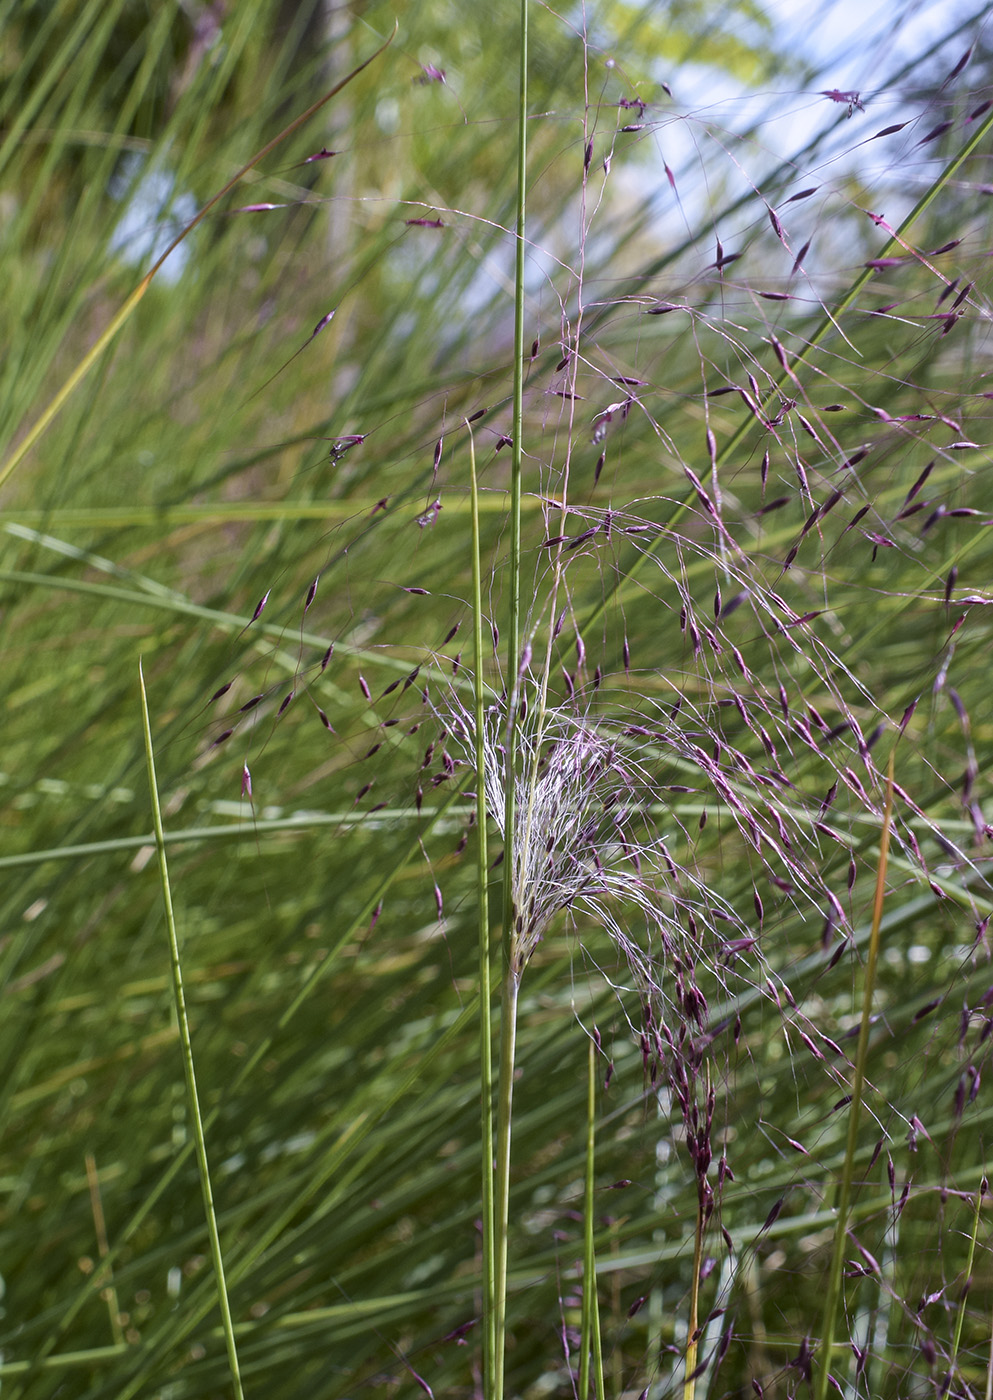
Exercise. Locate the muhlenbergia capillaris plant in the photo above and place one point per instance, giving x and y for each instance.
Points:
(551, 507)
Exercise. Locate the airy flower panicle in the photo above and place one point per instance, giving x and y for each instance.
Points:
(586, 838)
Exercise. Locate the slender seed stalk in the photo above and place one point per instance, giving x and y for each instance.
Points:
(501, 1208)
(598, 1384)
(590, 1350)
(553, 597)
(511, 971)
(514, 561)
(833, 1298)
(187, 1044)
(485, 993)
(693, 1324)
(960, 1315)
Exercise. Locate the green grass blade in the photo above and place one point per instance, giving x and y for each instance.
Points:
(187, 1049)
(485, 959)
(834, 1284)
(590, 1346)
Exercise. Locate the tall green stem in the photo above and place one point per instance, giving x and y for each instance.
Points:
(513, 631)
(858, 1084)
(196, 1119)
(511, 970)
(508, 1041)
(693, 1325)
(514, 562)
(591, 1351)
(485, 992)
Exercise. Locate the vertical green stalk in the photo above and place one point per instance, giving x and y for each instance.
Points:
(511, 971)
(514, 562)
(693, 1325)
(960, 1315)
(513, 630)
(184, 1033)
(485, 991)
(858, 1083)
(590, 1348)
(501, 1209)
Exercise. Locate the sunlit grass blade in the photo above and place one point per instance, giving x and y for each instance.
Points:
(123, 315)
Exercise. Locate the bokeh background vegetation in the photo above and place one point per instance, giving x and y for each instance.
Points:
(208, 462)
